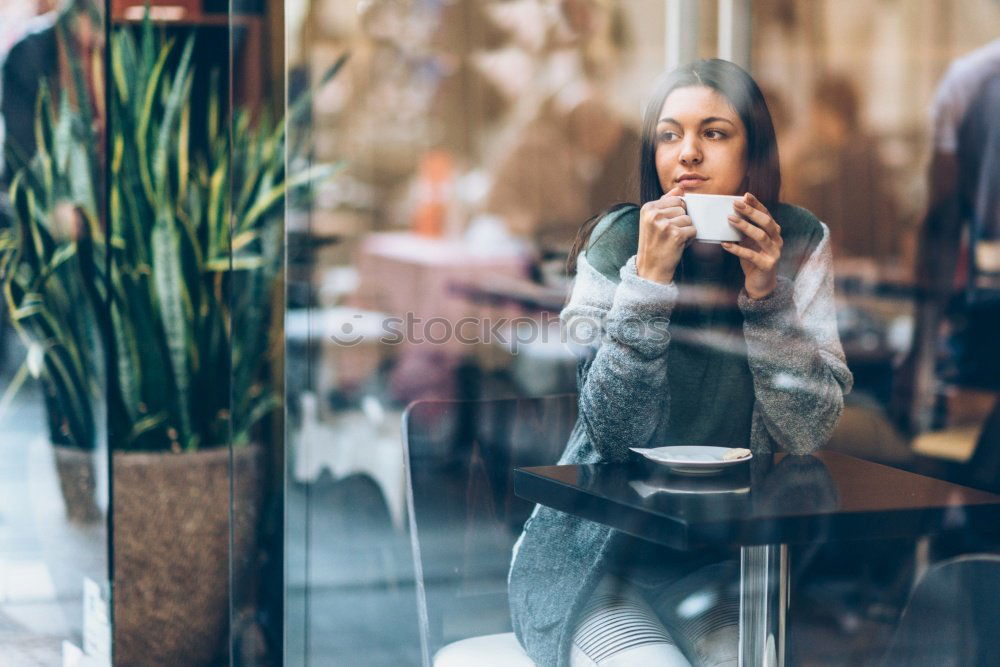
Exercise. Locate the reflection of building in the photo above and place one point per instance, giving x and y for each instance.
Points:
(460, 76)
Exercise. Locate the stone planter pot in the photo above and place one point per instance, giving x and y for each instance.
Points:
(172, 552)
(77, 482)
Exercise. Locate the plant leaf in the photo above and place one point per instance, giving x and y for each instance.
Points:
(169, 285)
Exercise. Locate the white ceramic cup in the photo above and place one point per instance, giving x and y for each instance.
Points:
(710, 215)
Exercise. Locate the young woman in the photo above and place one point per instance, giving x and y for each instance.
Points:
(759, 365)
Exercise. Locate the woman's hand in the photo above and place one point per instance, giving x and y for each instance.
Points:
(760, 248)
(665, 229)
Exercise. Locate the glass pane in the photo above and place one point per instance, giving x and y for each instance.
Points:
(257, 176)
(473, 138)
(171, 416)
(54, 588)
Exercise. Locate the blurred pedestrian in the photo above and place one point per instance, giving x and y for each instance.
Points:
(958, 265)
(836, 171)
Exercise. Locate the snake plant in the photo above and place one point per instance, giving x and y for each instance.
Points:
(179, 290)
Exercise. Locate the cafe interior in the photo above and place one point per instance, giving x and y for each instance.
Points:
(284, 380)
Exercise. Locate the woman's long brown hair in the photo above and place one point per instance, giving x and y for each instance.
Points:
(736, 85)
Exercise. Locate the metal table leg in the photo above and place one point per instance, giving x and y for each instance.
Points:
(763, 604)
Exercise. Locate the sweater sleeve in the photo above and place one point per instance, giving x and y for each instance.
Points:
(619, 333)
(799, 370)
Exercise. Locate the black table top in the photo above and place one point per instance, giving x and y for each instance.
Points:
(781, 499)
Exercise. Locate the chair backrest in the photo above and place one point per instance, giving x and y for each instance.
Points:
(464, 517)
(952, 616)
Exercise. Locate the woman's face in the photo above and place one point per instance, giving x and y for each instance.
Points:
(701, 143)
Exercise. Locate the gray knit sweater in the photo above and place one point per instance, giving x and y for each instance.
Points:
(799, 379)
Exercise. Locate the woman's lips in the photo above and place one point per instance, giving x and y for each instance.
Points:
(690, 183)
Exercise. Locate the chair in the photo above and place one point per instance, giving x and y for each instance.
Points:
(328, 444)
(465, 518)
(971, 451)
(952, 617)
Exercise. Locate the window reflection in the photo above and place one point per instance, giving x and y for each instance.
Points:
(54, 589)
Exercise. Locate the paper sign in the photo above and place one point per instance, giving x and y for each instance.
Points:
(96, 625)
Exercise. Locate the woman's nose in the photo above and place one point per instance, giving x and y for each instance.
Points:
(690, 154)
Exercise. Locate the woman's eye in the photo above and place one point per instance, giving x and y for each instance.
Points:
(715, 134)
(668, 136)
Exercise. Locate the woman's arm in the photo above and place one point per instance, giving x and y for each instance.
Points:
(619, 334)
(799, 370)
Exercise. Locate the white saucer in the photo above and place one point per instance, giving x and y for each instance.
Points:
(692, 459)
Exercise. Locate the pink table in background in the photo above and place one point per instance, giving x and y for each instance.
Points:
(401, 273)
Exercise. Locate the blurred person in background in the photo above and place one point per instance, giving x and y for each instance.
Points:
(835, 170)
(33, 55)
(565, 165)
(958, 265)
(28, 56)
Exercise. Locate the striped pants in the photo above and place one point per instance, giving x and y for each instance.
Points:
(694, 621)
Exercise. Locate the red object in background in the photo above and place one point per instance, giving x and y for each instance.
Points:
(961, 278)
(159, 10)
(433, 193)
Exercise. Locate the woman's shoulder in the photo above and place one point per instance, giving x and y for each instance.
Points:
(614, 239)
